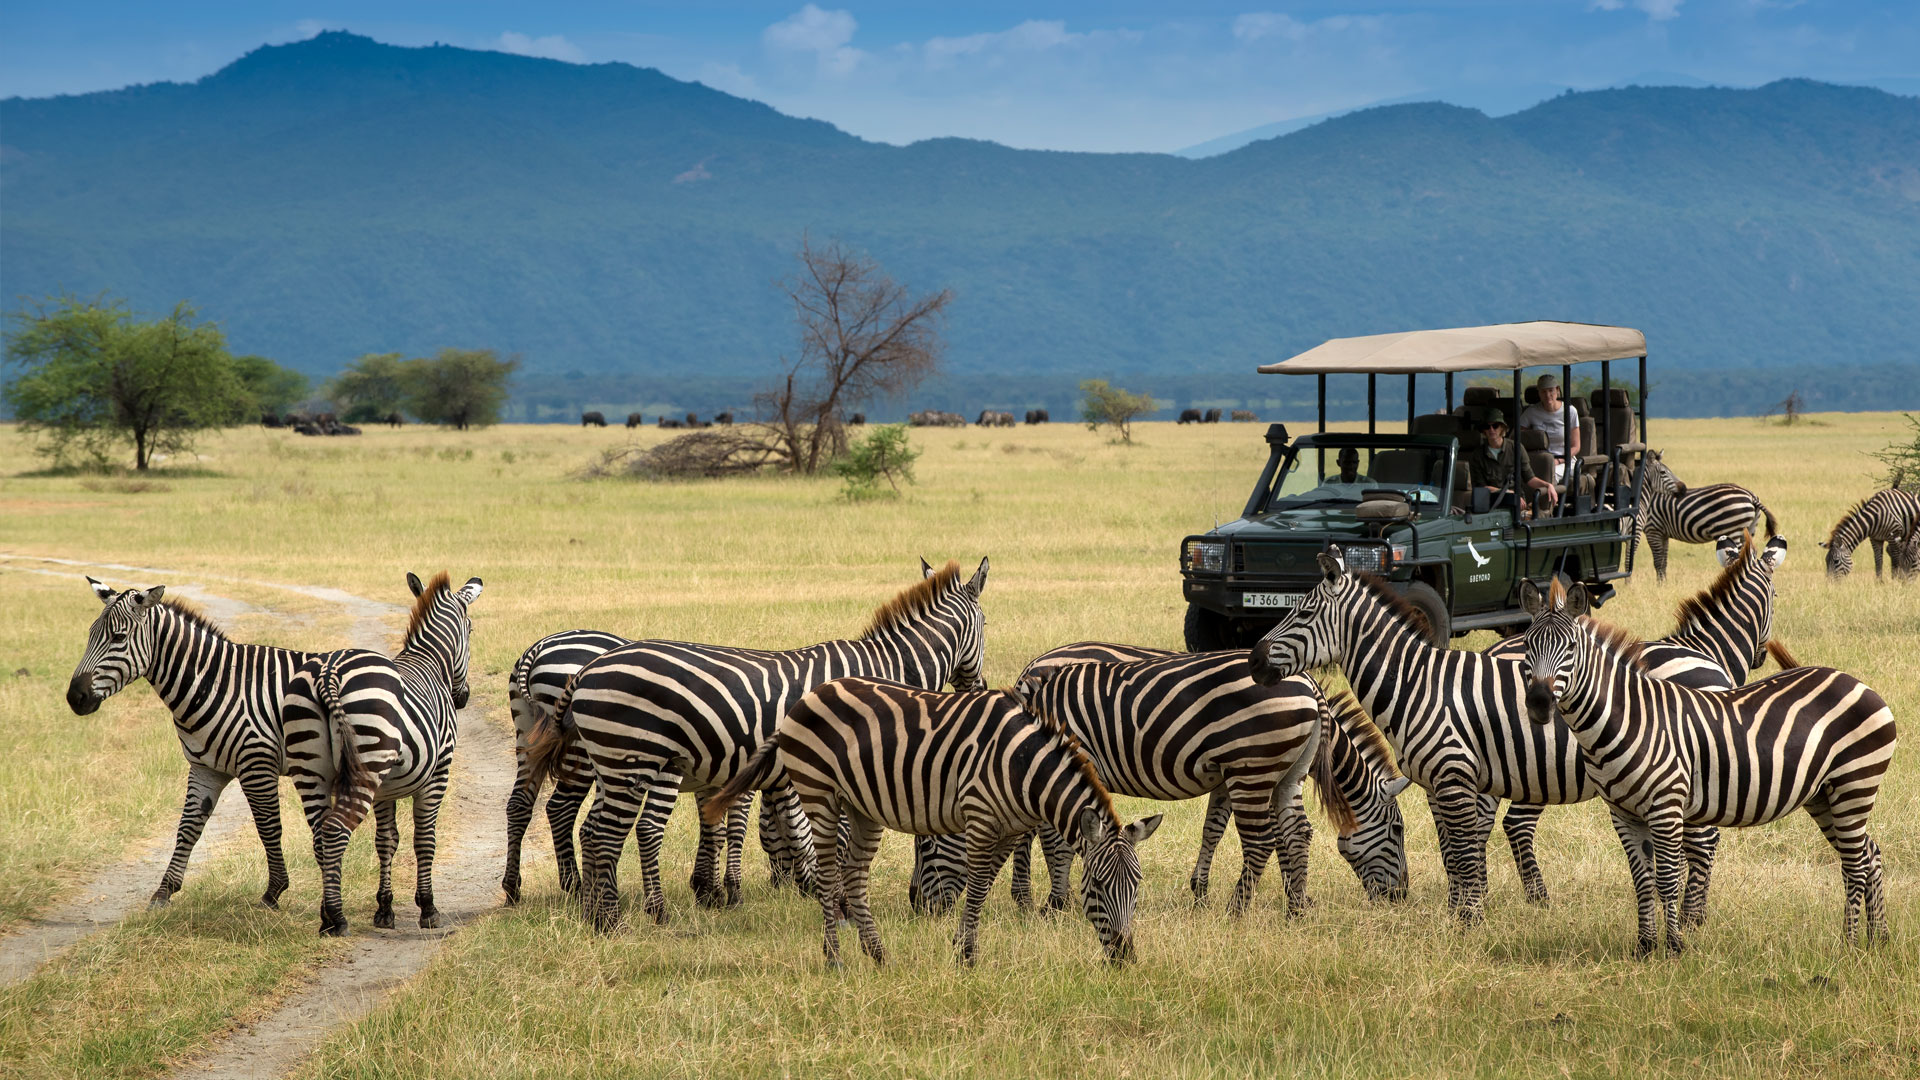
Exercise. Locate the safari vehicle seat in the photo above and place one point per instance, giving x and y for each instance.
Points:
(1436, 424)
(1532, 395)
(1398, 467)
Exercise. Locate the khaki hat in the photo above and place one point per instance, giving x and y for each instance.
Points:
(1548, 382)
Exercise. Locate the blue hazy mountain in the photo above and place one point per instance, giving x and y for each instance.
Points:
(619, 228)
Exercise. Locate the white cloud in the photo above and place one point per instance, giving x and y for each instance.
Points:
(825, 34)
(729, 78)
(311, 28)
(1259, 24)
(551, 47)
(1657, 10)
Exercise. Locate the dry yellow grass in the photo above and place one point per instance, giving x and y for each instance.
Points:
(1083, 539)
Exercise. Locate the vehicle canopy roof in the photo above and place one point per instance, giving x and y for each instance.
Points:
(1501, 347)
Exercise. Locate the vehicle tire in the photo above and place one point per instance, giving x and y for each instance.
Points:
(1426, 600)
(1208, 631)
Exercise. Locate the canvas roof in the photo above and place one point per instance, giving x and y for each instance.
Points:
(1501, 347)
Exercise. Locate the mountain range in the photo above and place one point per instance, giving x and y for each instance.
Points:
(622, 231)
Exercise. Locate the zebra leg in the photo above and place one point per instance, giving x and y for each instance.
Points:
(1657, 547)
(984, 856)
(1254, 819)
(1667, 830)
(1701, 841)
(1218, 811)
(608, 822)
(386, 841)
(1293, 838)
(204, 786)
(736, 851)
(797, 828)
(1876, 899)
(1859, 868)
(426, 816)
(563, 812)
(1520, 823)
(827, 886)
(1879, 547)
(855, 865)
(705, 881)
(773, 841)
(1059, 855)
(262, 789)
(1463, 818)
(519, 815)
(1022, 884)
(1637, 841)
(657, 801)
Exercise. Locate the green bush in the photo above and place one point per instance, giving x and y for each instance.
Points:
(883, 455)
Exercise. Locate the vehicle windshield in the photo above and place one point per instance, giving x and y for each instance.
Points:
(1326, 475)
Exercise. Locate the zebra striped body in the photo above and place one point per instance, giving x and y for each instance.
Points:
(670, 715)
(226, 699)
(1670, 510)
(1455, 719)
(1723, 634)
(1666, 756)
(889, 756)
(1889, 520)
(364, 731)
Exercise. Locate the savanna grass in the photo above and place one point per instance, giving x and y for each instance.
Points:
(1083, 538)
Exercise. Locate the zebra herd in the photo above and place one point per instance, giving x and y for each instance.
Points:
(851, 737)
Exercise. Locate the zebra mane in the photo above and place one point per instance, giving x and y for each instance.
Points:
(913, 599)
(1367, 736)
(1403, 612)
(1699, 608)
(1618, 641)
(1853, 514)
(193, 616)
(440, 584)
(1080, 758)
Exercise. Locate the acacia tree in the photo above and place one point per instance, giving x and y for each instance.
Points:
(862, 336)
(461, 387)
(1113, 406)
(271, 387)
(96, 378)
(371, 387)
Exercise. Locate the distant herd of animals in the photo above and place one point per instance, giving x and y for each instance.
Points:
(321, 423)
(850, 738)
(329, 424)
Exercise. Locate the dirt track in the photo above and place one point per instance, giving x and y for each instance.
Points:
(466, 871)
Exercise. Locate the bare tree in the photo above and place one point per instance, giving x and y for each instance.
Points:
(862, 336)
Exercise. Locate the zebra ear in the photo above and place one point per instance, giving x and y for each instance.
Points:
(470, 591)
(926, 568)
(977, 584)
(1140, 830)
(1024, 689)
(1093, 826)
(144, 600)
(102, 591)
(413, 582)
(1330, 563)
(1578, 602)
(1394, 787)
(1775, 552)
(1530, 599)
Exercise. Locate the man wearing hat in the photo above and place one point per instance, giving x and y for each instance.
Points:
(1493, 465)
(1552, 418)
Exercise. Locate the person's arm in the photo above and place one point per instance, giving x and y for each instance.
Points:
(1573, 438)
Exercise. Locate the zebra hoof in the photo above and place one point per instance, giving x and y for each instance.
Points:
(431, 920)
(335, 927)
(383, 919)
(1539, 900)
(710, 898)
(733, 896)
(835, 964)
(512, 892)
(657, 912)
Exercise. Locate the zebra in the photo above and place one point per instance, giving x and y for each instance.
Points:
(225, 696)
(1887, 519)
(1724, 633)
(659, 715)
(1453, 718)
(1195, 747)
(364, 731)
(1666, 756)
(1670, 510)
(890, 756)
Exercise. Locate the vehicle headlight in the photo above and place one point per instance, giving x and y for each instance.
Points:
(1371, 558)
(1202, 555)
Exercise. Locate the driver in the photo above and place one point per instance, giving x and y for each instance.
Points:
(1349, 462)
(1493, 467)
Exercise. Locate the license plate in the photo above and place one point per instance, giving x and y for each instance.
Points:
(1270, 599)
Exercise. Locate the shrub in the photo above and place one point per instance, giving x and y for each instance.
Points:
(883, 455)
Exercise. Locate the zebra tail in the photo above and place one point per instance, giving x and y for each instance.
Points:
(753, 774)
(1781, 656)
(551, 740)
(353, 771)
(1773, 525)
(1333, 800)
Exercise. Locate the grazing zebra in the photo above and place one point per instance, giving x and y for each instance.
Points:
(1666, 756)
(1357, 762)
(226, 698)
(884, 755)
(1724, 632)
(1454, 718)
(662, 715)
(1887, 519)
(364, 731)
(1670, 510)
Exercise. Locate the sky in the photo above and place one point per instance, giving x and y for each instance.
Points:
(1114, 76)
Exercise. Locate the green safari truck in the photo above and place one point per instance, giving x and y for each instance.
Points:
(1399, 504)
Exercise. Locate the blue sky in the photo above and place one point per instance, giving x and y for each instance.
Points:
(1066, 76)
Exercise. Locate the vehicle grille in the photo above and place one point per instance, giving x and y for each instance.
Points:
(1276, 559)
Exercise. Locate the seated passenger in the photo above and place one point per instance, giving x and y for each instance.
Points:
(1349, 463)
(1492, 467)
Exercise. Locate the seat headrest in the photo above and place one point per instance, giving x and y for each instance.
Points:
(1480, 395)
(1434, 424)
(1533, 439)
(1533, 395)
(1617, 395)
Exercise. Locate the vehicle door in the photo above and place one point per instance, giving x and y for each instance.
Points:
(1483, 563)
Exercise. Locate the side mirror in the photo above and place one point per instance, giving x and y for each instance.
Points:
(1481, 501)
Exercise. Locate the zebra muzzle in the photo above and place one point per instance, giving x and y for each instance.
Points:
(1540, 701)
(80, 696)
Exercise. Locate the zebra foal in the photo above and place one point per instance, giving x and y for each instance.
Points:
(1666, 756)
(1890, 521)
(883, 755)
(226, 699)
(364, 731)
(1670, 510)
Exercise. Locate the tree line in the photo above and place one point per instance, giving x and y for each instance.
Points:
(93, 379)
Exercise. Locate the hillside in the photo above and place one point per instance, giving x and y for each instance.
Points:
(338, 196)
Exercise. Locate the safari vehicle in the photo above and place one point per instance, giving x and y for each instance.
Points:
(1403, 508)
